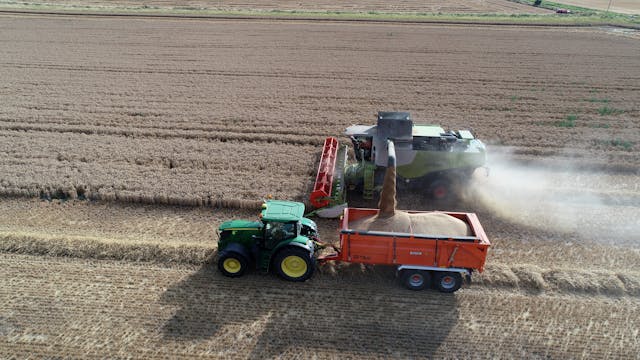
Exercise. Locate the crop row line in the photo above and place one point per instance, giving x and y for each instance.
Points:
(165, 134)
(80, 192)
(406, 79)
(248, 128)
(520, 277)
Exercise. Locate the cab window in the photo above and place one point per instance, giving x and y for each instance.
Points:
(277, 232)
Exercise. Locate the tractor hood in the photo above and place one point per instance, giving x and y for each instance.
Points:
(282, 211)
(240, 225)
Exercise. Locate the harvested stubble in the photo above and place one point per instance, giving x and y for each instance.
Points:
(529, 277)
(55, 307)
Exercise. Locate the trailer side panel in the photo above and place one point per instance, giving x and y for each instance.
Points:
(441, 251)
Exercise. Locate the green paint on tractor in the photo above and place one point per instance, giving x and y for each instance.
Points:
(282, 239)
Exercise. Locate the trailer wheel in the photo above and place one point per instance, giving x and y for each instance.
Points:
(416, 279)
(232, 264)
(294, 264)
(448, 282)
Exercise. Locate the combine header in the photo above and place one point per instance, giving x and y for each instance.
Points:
(429, 159)
(328, 189)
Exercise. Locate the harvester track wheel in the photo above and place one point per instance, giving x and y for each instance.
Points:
(416, 279)
(232, 264)
(294, 264)
(439, 190)
(448, 282)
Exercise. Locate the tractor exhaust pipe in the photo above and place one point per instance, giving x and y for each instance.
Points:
(387, 204)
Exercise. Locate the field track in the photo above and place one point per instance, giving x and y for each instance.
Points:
(120, 117)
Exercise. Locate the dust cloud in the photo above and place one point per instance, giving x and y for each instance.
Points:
(596, 206)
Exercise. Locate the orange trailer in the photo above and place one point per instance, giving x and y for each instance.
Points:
(421, 259)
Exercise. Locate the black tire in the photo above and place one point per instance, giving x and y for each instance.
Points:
(448, 282)
(294, 264)
(232, 264)
(416, 279)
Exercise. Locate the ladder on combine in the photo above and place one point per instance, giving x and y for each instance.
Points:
(369, 181)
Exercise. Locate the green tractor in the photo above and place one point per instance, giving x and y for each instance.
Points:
(430, 160)
(282, 241)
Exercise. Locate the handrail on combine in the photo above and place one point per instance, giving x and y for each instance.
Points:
(320, 196)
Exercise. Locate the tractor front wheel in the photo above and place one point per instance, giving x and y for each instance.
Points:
(232, 264)
(294, 264)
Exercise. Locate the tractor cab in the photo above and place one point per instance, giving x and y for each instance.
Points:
(282, 239)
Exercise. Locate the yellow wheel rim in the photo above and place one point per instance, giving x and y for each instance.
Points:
(294, 266)
(232, 265)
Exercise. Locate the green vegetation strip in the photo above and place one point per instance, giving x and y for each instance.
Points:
(579, 16)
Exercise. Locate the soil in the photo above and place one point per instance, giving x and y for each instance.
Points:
(425, 6)
(107, 113)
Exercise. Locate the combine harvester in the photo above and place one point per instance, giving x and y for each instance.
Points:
(430, 160)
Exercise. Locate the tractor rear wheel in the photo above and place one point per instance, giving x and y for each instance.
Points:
(448, 282)
(294, 264)
(233, 264)
(416, 279)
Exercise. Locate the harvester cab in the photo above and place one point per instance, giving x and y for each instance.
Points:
(282, 240)
(429, 159)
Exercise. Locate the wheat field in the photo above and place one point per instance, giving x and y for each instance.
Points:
(126, 141)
